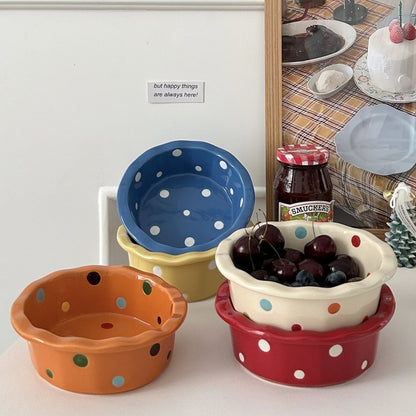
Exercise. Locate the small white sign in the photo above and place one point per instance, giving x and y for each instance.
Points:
(175, 92)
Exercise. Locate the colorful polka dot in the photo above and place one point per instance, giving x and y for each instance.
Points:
(241, 357)
(80, 360)
(121, 302)
(118, 381)
(189, 241)
(333, 308)
(138, 176)
(299, 374)
(164, 193)
(300, 232)
(223, 165)
(177, 153)
(65, 306)
(266, 305)
(296, 327)
(157, 270)
(206, 193)
(355, 241)
(155, 349)
(264, 345)
(107, 325)
(93, 278)
(364, 365)
(212, 265)
(49, 373)
(335, 350)
(40, 295)
(147, 287)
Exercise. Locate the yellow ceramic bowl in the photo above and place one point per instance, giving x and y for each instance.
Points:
(195, 274)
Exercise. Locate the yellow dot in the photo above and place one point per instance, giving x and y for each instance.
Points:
(65, 306)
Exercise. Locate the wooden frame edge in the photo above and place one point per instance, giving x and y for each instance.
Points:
(273, 92)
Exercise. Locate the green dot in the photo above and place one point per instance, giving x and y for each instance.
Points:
(80, 360)
(147, 287)
(49, 373)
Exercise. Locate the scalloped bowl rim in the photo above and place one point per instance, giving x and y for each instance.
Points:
(376, 322)
(163, 259)
(31, 333)
(385, 271)
(143, 238)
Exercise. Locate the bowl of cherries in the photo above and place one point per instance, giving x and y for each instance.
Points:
(304, 275)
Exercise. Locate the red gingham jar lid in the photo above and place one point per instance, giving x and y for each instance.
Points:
(302, 154)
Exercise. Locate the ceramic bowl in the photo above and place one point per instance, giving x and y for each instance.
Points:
(305, 358)
(345, 69)
(312, 308)
(195, 274)
(184, 196)
(99, 329)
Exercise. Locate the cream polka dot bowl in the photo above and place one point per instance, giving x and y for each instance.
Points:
(195, 274)
(312, 308)
(184, 196)
(305, 358)
(99, 329)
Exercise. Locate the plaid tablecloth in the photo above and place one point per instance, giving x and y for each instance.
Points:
(310, 120)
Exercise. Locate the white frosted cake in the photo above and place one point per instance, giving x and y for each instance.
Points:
(392, 66)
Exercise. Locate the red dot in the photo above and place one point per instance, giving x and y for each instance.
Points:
(296, 327)
(355, 241)
(107, 325)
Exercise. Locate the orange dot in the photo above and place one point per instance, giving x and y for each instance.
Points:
(334, 308)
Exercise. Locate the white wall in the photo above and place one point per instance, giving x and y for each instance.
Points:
(74, 113)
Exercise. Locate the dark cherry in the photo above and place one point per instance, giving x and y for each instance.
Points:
(346, 264)
(313, 267)
(295, 256)
(322, 248)
(246, 253)
(283, 269)
(260, 274)
(271, 240)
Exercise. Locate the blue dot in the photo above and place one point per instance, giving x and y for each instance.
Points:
(266, 305)
(121, 302)
(300, 232)
(118, 381)
(40, 295)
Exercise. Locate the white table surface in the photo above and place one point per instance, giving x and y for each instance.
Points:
(204, 378)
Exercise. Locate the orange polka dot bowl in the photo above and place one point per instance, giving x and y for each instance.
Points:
(195, 274)
(99, 329)
(305, 358)
(309, 307)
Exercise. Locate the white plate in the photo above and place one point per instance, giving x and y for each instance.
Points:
(340, 28)
(363, 81)
(379, 139)
(345, 69)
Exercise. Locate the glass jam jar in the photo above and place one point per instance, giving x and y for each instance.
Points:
(302, 186)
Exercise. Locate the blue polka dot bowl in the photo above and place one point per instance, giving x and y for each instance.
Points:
(99, 329)
(184, 196)
(309, 307)
(195, 274)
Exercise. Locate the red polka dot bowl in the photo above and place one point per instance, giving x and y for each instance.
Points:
(99, 329)
(305, 358)
(308, 307)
